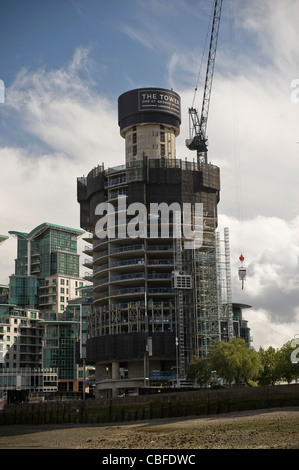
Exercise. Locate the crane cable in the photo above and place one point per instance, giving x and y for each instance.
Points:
(236, 146)
(203, 54)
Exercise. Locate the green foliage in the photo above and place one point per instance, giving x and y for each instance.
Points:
(276, 365)
(286, 369)
(234, 361)
(199, 371)
(269, 371)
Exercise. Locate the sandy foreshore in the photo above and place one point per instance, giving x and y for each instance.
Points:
(260, 429)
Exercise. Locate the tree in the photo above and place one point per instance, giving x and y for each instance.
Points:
(269, 372)
(234, 361)
(287, 370)
(199, 371)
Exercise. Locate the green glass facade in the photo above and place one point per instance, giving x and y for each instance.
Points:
(48, 250)
(60, 348)
(24, 291)
(65, 264)
(52, 252)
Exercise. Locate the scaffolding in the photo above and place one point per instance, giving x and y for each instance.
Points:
(229, 305)
(131, 317)
(178, 285)
(207, 291)
(224, 270)
(197, 282)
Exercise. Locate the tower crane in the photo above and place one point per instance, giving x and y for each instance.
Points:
(197, 125)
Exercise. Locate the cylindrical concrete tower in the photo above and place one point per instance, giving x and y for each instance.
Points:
(149, 120)
(141, 332)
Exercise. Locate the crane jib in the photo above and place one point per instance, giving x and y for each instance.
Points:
(197, 126)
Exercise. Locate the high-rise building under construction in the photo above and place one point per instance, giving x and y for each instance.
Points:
(155, 302)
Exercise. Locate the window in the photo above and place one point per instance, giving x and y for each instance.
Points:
(62, 299)
(62, 282)
(62, 290)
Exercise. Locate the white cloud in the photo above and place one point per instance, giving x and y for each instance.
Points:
(67, 130)
(275, 26)
(138, 36)
(70, 128)
(271, 252)
(253, 134)
(62, 110)
(267, 333)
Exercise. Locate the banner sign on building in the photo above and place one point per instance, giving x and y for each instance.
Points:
(159, 100)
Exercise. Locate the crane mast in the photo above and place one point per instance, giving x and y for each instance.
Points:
(198, 139)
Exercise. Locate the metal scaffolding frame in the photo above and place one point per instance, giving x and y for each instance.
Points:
(225, 286)
(229, 305)
(207, 292)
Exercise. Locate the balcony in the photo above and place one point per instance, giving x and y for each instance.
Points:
(164, 248)
(88, 276)
(159, 276)
(100, 254)
(88, 250)
(116, 194)
(100, 282)
(127, 262)
(160, 262)
(128, 291)
(116, 180)
(160, 291)
(99, 269)
(127, 248)
(127, 277)
(88, 263)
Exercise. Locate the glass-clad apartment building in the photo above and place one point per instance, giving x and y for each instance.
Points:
(47, 268)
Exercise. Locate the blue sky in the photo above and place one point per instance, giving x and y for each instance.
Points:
(129, 39)
(64, 64)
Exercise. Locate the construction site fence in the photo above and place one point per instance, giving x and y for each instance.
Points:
(147, 407)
